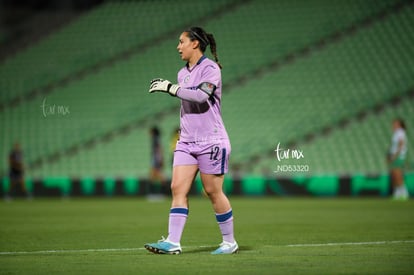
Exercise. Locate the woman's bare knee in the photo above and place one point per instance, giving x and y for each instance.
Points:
(183, 177)
(213, 186)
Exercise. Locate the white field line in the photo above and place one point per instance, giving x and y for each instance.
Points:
(350, 243)
(70, 251)
(4, 253)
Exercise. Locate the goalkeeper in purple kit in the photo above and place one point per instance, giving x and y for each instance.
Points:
(203, 145)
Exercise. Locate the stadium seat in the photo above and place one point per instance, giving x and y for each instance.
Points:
(366, 185)
(253, 185)
(263, 104)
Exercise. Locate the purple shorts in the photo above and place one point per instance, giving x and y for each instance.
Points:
(211, 158)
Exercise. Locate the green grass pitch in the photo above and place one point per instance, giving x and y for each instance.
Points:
(276, 236)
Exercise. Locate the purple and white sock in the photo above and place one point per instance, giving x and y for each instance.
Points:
(177, 219)
(225, 222)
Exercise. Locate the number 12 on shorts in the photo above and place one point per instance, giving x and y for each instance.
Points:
(214, 153)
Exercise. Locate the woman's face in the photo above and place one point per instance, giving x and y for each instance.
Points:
(396, 125)
(186, 47)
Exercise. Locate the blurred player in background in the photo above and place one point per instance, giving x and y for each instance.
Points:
(173, 143)
(16, 172)
(204, 144)
(396, 159)
(157, 163)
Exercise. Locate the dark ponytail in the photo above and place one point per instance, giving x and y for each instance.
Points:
(213, 48)
(205, 39)
(401, 122)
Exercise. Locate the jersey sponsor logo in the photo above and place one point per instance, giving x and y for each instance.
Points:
(194, 108)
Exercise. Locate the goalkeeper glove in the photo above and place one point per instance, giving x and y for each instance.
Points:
(161, 85)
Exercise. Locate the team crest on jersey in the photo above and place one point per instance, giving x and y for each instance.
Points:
(186, 79)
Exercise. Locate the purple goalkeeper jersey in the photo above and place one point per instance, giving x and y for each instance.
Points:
(200, 95)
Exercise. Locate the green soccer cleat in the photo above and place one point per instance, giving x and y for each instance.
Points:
(226, 248)
(163, 246)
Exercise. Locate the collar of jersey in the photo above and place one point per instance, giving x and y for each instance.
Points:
(198, 63)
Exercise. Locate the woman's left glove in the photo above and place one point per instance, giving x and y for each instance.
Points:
(165, 86)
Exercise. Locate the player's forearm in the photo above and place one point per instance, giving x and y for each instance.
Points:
(197, 96)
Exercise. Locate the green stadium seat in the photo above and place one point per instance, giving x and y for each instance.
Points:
(324, 185)
(253, 185)
(378, 185)
(300, 98)
(62, 183)
(131, 185)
